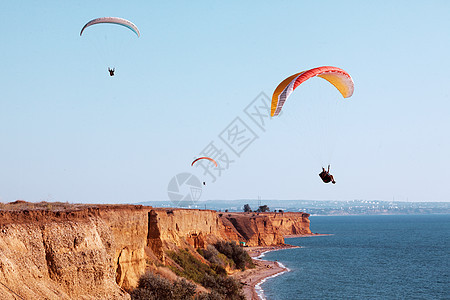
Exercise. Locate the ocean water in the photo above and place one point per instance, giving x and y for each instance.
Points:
(366, 257)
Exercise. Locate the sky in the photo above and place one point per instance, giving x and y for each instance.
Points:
(69, 132)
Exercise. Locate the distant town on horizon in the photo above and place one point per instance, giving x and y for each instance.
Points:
(321, 207)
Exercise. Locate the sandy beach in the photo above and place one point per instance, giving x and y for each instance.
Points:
(251, 277)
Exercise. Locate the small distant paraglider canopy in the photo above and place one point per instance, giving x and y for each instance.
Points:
(208, 158)
(112, 20)
(337, 77)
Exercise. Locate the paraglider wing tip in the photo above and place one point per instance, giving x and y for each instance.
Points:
(82, 29)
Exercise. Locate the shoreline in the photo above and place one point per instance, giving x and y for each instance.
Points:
(264, 269)
(305, 235)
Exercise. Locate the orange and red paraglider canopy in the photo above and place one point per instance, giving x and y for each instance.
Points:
(208, 158)
(337, 77)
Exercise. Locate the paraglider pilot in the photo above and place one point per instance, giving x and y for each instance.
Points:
(111, 71)
(326, 176)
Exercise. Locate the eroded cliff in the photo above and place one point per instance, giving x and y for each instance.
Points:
(57, 255)
(100, 251)
(264, 229)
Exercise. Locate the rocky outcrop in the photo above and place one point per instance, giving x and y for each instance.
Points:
(57, 255)
(100, 251)
(129, 230)
(289, 223)
(264, 229)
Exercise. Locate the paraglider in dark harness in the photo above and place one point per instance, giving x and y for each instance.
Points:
(111, 71)
(326, 176)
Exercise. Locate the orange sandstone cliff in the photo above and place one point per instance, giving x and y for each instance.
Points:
(264, 229)
(100, 251)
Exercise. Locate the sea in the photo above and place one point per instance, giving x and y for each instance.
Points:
(365, 257)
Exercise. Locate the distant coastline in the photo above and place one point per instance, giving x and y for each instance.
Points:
(324, 207)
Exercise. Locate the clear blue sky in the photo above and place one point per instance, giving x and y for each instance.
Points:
(69, 132)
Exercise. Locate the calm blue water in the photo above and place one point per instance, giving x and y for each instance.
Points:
(367, 257)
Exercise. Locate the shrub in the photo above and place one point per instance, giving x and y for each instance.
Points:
(263, 208)
(183, 289)
(224, 286)
(152, 286)
(215, 257)
(213, 277)
(219, 270)
(247, 208)
(192, 268)
(239, 256)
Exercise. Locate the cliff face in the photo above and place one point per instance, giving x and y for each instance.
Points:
(128, 227)
(289, 223)
(56, 255)
(98, 252)
(174, 228)
(264, 229)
